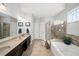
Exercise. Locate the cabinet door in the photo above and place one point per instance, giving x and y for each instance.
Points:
(0, 31)
(16, 51)
(28, 41)
(12, 53)
(20, 51)
(24, 45)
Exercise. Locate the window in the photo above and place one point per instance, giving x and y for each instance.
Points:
(73, 15)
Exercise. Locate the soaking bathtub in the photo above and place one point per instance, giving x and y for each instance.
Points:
(61, 49)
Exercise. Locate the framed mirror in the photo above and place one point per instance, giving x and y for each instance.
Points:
(27, 24)
(20, 24)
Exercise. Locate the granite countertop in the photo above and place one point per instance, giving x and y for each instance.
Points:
(8, 45)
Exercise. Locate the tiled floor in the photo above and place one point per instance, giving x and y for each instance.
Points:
(37, 48)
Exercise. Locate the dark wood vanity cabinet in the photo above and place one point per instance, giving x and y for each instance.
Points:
(18, 50)
(28, 41)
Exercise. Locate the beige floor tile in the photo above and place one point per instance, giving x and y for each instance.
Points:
(37, 48)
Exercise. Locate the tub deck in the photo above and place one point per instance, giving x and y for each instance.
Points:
(61, 49)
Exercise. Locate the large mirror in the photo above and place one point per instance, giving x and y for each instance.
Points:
(8, 26)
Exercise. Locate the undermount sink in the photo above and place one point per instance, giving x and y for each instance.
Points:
(4, 49)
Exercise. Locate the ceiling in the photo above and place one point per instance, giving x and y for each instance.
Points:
(37, 9)
(42, 9)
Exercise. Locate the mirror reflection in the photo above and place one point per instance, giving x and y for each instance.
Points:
(7, 27)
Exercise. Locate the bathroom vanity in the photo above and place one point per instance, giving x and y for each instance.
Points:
(15, 46)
